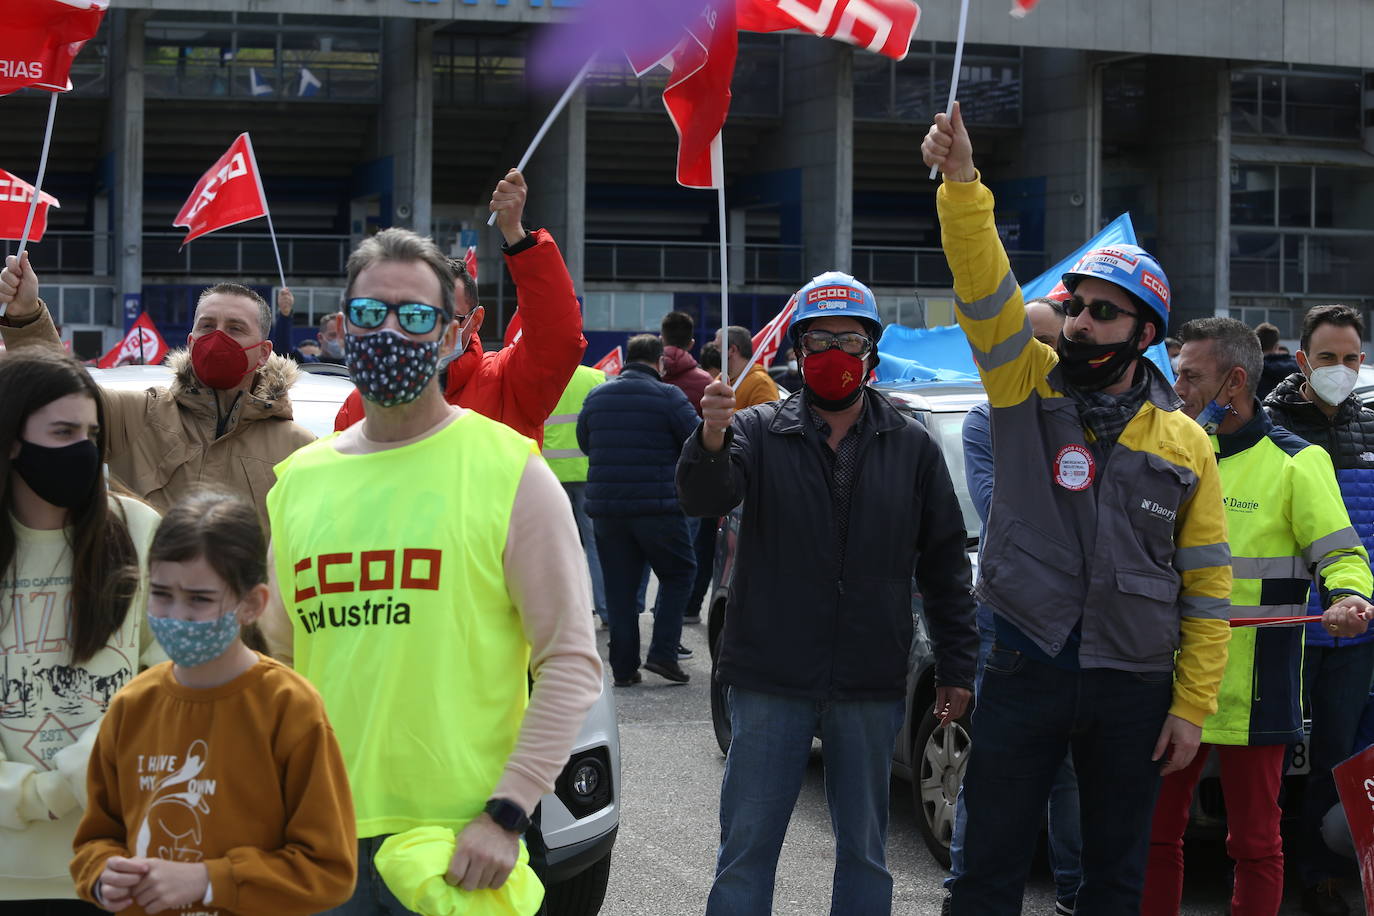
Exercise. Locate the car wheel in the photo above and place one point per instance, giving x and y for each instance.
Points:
(720, 704)
(939, 757)
(582, 894)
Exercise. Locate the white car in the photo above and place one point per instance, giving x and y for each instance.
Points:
(574, 827)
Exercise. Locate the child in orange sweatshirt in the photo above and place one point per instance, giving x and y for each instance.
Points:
(216, 786)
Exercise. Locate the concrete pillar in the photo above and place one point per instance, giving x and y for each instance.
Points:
(1060, 127)
(125, 138)
(817, 136)
(1185, 110)
(405, 122)
(557, 176)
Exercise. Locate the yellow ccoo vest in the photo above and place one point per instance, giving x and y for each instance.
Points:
(390, 568)
(568, 462)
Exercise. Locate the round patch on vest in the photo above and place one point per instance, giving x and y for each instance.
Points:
(1074, 468)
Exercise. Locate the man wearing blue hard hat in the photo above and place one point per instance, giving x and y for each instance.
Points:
(1105, 558)
(845, 498)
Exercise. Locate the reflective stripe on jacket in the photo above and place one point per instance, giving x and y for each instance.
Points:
(1131, 550)
(1286, 521)
(566, 460)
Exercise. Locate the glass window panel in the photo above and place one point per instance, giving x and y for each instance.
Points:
(1345, 199)
(872, 86)
(596, 311)
(1256, 262)
(626, 312)
(1323, 107)
(1252, 195)
(1245, 103)
(102, 305)
(1339, 266)
(1271, 105)
(1295, 196)
(1295, 256)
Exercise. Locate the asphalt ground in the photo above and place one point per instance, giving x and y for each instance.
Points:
(664, 856)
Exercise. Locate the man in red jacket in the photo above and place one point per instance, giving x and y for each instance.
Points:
(521, 384)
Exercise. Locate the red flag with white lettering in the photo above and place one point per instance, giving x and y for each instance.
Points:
(143, 345)
(470, 261)
(769, 340)
(1355, 785)
(882, 26)
(228, 194)
(612, 362)
(15, 196)
(39, 39)
(698, 92)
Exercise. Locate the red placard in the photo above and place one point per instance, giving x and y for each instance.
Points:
(1355, 782)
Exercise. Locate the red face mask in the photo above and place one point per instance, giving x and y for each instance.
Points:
(219, 361)
(833, 375)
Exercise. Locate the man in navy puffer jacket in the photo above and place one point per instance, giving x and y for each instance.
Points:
(632, 429)
(1316, 404)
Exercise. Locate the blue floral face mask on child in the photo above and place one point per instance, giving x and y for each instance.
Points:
(189, 643)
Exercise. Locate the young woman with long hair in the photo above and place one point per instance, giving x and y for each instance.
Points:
(71, 632)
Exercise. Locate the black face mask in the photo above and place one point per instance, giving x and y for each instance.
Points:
(1092, 367)
(65, 476)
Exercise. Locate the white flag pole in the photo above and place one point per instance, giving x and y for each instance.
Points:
(958, 64)
(37, 186)
(548, 122)
(718, 172)
(266, 211)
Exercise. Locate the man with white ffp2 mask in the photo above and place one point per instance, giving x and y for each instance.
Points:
(1316, 404)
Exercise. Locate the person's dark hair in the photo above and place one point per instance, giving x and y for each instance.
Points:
(220, 527)
(1173, 342)
(1340, 315)
(741, 340)
(710, 357)
(1234, 345)
(644, 348)
(105, 570)
(459, 268)
(676, 329)
(1268, 336)
(265, 317)
(1056, 305)
(397, 244)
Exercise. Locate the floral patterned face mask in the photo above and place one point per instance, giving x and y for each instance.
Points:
(390, 368)
(189, 643)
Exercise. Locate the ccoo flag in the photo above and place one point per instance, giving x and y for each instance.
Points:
(769, 339)
(15, 195)
(881, 26)
(229, 193)
(39, 39)
(612, 362)
(142, 346)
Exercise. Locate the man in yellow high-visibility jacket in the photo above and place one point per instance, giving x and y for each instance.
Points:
(569, 464)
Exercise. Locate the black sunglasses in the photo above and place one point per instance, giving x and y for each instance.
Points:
(1100, 310)
(413, 317)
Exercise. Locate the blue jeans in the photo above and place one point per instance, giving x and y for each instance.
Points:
(625, 545)
(1335, 683)
(705, 545)
(577, 495)
(371, 896)
(764, 771)
(1029, 716)
(1066, 838)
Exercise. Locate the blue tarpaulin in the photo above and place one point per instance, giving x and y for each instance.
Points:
(923, 354)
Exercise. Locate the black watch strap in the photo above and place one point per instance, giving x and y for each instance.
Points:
(507, 815)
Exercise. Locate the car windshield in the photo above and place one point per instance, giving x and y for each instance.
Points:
(948, 428)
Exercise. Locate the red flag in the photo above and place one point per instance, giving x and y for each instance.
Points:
(1355, 784)
(143, 345)
(470, 261)
(769, 340)
(1020, 8)
(39, 39)
(230, 193)
(698, 92)
(882, 26)
(612, 362)
(15, 195)
(514, 330)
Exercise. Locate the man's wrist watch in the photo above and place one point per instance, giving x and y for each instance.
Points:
(507, 815)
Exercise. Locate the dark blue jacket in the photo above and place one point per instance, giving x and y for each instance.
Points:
(632, 429)
(1348, 438)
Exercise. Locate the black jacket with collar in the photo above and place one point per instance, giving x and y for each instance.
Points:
(802, 621)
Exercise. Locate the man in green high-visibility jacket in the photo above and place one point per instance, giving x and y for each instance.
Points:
(569, 465)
